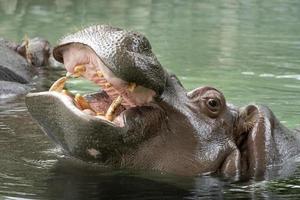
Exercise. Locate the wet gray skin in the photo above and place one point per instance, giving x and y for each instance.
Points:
(35, 50)
(15, 72)
(17, 64)
(178, 132)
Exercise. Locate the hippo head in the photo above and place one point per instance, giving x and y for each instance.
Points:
(158, 125)
(36, 50)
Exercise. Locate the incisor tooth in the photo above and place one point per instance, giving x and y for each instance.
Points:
(107, 85)
(59, 85)
(131, 87)
(115, 104)
(99, 74)
(81, 102)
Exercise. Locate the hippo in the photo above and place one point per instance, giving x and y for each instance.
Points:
(17, 64)
(35, 50)
(158, 125)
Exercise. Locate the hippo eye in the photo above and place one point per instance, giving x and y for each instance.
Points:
(210, 101)
(213, 104)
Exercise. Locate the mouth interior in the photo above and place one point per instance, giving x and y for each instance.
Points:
(99, 103)
(112, 88)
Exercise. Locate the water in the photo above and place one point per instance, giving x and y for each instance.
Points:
(247, 49)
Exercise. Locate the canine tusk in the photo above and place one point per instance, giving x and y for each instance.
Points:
(58, 85)
(115, 104)
(81, 102)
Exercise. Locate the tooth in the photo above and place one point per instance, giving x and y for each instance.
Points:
(131, 86)
(107, 85)
(58, 85)
(81, 102)
(78, 71)
(99, 74)
(67, 93)
(100, 113)
(68, 74)
(115, 104)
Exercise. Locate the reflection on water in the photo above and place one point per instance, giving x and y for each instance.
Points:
(247, 49)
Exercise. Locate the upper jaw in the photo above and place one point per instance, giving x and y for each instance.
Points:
(101, 74)
(111, 46)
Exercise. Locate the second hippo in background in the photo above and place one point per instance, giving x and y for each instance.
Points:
(18, 62)
(36, 51)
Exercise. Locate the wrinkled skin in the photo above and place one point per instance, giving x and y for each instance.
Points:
(17, 62)
(173, 131)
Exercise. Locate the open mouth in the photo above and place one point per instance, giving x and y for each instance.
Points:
(100, 104)
(115, 97)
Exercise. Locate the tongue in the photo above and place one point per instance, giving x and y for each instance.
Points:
(100, 102)
(113, 93)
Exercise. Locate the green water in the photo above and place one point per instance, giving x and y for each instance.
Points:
(250, 50)
(247, 49)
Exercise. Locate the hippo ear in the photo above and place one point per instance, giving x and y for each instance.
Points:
(21, 49)
(255, 139)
